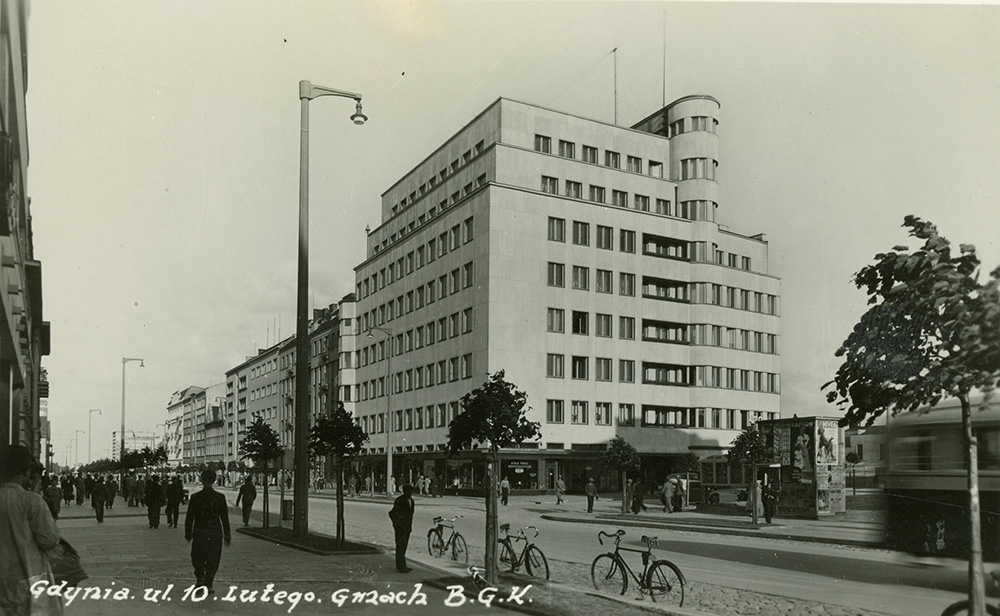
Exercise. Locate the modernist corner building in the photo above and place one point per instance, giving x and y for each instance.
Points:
(587, 261)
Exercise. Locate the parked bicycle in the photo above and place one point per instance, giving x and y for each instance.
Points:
(661, 579)
(531, 555)
(962, 607)
(437, 545)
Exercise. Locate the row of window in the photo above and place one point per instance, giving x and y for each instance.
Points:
(446, 172)
(439, 246)
(698, 209)
(433, 416)
(653, 415)
(435, 373)
(452, 326)
(437, 288)
(567, 149)
(694, 123)
(663, 374)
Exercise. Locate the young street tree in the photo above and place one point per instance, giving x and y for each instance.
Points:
(622, 458)
(749, 447)
(261, 445)
(337, 435)
(493, 414)
(933, 330)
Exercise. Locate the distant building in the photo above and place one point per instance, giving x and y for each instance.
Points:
(179, 432)
(585, 259)
(871, 444)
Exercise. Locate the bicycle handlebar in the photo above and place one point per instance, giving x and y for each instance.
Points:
(616, 536)
(439, 519)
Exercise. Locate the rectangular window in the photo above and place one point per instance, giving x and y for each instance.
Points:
(543, 144)
(745, 263)
(574, 189)
(612, 159)
(619, 198)
(634, 164)
(626, 371)
(626, 415)
(550, 185)
(557, 275)
(555, 320)
(467, 320)
(597, 194)
(604, 281)
(557, 229)
(554, 366)
(655, 169)
(581, 322)
(567, 149)
(580, 367)
(581, 233)
(578, 412)
(626, 284)
(626, 328)
(602, 325)
(554, 411)
(590, 154)
(627, 241)
(663, 207)
(467, 275)
(467, 230)
(581, 278)
(642, 203)
(602, 369)
(605, 237)
(602, 413)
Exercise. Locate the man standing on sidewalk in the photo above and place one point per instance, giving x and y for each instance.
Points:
(154, 500)
(112, 489)
(98, 498)
(247, 495)
(402, 524)
(591, 491)
(175, 494)
(206, 526)
(560, 490)
(504, 490)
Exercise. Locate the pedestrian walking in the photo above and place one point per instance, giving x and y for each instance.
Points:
(246, 496)
(455, 484)
(88, 485)
(352, 485)
(368, 485)
(53, 497)
(67, 490)
(206, 526)
(175, 494)
(27, 531)
(682, 490)
(154, 500)
(504, 490)
(432, 482)
(678, 501)
(560, 490)
(754, 501)
(99, 498)
(591, 491)
(129, 491)
(401, 515)
(112, 489)
(637, 495)
(770, 496)
(667, 494)
(140, 490)
(81, 489)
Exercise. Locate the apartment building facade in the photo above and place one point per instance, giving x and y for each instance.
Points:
(584, 259)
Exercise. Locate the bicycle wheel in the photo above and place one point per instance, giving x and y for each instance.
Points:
(435, 544)
(459, 551)
(608, 575)
(665, 583)
(962, 607)
(535, 562)
(507, 559)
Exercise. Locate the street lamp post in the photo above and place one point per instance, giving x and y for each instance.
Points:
(307, 92)
(77, 439)
(90, 432)
(121, 435)
(388, 405)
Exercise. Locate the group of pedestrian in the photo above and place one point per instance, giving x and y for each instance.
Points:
(673, 494)
(427, 485)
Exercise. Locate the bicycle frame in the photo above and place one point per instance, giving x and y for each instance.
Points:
(509, 542)
(647, 558)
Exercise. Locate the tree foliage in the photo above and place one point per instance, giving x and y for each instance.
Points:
(337, 435)
(262, 443)
(749, 447)
(621, 457)
(932, 330)
(494, 413)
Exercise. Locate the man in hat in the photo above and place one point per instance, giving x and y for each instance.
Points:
(175, 494)
(154, 500)
(591, 491)
(402, 524)
(206, 526)
(99, 498)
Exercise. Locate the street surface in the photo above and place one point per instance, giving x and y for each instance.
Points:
(735, 574)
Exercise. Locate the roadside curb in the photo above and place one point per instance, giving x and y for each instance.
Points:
(253, 532)
(718, 530)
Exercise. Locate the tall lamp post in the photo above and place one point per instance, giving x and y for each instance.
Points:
(90, 432)
(121, 435)
(388, 405)
(300, 523)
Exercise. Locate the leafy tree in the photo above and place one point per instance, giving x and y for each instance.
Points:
(494, 414)
(262, 445)
(932, 330)
(750, 448)
(339, 436)
(622, 457)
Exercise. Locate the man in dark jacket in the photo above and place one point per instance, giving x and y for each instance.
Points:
(98, 498)
(154, 500)
(175, 494)
(112, 490)
(402, 524)
(206, 526)
(246, 496)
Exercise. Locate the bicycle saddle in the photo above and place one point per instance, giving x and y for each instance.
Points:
(505, 527)
(646, 539)
(437, 519)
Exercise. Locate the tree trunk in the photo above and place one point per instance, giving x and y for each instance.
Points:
(624, 495)
(340, 503)
(753, 492)
(977, 587)
(491, 520)
(267, 508)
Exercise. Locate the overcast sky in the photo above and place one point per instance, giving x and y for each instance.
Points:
(164, 155)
